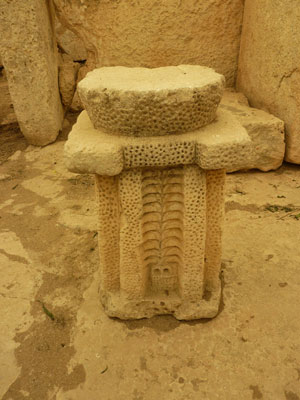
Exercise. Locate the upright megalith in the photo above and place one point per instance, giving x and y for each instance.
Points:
(159, 149)
(269, 64)
(29, 55)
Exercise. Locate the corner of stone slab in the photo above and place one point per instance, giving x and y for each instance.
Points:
(203, 309)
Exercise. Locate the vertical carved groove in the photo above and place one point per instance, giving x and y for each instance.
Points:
(214, 220)
(191, 276)
(162, 225)
(109, 228)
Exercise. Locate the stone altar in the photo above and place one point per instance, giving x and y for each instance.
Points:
(159, 148)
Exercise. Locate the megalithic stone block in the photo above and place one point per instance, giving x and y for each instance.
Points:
(29, 54)
(161, 195)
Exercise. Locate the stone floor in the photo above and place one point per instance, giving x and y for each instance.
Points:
(55, 340)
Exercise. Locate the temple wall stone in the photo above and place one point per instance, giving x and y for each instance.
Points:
(29, 55)
(67, 74)
(269, 66)
(7, 113)
(157, 33)
(265, 130)
(69, 43)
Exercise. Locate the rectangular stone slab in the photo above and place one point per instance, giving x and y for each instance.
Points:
(224, 144)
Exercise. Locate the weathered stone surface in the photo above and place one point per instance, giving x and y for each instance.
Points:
(76, 104)
(160, 214)
(69, 43)
(7, 114)
(68, 71)
(269, 72)
(265, 131)
(29, 55)
(160, 174)
(151, 102)
(223, 144)
(231, 96)
(149, 221)
(86, 150)
(261, 285)
(157, 33)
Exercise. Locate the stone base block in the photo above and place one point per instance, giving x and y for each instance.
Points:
(119, 306)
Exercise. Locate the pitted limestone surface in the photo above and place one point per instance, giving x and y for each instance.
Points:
(161, 190)
(108, 211)
(132, 276)
(215, 183)
(151, 102)
(158, 153)
(194, 226)
(224, 144)
(154, 241)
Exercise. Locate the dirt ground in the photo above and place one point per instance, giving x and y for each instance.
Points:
(55, 340)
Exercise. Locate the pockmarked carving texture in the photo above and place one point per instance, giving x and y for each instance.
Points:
(151, 102)
(164, 252)
(160, 185)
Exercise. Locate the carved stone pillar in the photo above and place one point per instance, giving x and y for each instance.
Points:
(159, 149)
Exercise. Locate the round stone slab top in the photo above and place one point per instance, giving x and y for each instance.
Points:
(151, 102)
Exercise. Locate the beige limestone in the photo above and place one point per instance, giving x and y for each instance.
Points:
(67, 75)
(150, 220)
(29, 55)
(265, 130)
(151, 102)
(255, 335)
(231, 96)
(223, 144)
(7, 113)
(161, 197)
(153, 33)
(76, 104)
(69, 43)
(269, 72)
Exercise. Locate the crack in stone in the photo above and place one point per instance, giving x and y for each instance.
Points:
(286, 76)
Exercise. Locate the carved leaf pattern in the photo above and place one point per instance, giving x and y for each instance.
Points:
(162, 225)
